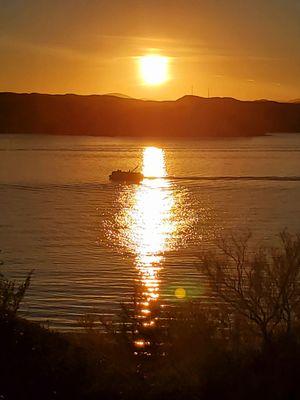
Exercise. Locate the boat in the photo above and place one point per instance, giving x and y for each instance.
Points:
(126, 176)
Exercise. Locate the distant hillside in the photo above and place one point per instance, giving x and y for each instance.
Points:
(189, 116)
(123, 96)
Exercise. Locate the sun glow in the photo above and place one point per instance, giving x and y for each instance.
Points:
(154, 69)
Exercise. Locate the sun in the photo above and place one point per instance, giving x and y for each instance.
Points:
(154, 69)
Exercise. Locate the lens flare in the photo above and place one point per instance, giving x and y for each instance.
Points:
(180, 293)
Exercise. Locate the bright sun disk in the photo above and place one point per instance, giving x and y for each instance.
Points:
(154, 69)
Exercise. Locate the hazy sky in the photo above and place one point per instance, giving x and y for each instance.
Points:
(244, 49)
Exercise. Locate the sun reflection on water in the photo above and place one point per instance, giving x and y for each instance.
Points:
(151, 227)
(148, 225)
(152, 218)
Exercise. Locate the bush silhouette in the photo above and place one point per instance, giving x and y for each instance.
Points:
(259, 288)
(12, 294)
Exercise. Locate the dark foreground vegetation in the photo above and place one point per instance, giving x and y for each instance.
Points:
(187, 117)
(245, 344)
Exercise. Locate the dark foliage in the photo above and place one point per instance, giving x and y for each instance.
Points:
(198, 350)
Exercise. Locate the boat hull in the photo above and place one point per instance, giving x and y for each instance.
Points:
(126, 177)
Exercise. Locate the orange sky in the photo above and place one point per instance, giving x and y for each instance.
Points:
(244, 49)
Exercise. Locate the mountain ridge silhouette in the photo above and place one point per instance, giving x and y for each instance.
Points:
(110, 115)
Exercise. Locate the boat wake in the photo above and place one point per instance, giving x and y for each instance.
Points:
(229, 178)
(105, 186)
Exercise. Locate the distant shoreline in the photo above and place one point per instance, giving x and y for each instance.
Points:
(189, 117)
(150, 137)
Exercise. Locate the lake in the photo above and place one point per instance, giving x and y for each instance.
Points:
(92, 243)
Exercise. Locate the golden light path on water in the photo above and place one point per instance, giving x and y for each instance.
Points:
(153, 220)
(150, 228)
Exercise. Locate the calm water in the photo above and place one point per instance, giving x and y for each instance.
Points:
(93, 243)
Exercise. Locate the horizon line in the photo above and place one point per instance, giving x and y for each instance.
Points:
(127, 97)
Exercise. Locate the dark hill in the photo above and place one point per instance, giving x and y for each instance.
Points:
(189, 116)
(295, 101)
